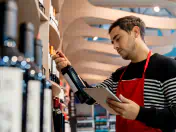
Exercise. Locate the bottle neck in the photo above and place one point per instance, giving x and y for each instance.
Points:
(8, 23)
(8, 28)
(27, 41)
(38, 55)
(28, 48)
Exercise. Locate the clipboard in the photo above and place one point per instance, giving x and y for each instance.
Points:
(101, 95)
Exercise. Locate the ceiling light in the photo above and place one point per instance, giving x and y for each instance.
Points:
(156, 9)
(95, 38)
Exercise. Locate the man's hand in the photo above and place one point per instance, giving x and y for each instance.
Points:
(60, 60)
(127, 109)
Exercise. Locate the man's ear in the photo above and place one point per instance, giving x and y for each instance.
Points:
(136, 31)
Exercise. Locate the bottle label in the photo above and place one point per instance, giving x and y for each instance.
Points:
(11, 99)
(72, 85)
(47, 119)
(33, 106)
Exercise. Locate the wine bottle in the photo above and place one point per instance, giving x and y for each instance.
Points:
(52, 75)
(47, 122)
(46, 93)
(59, 121)
(38, 61)
(31, 117)
(11, 75)
(77, 85)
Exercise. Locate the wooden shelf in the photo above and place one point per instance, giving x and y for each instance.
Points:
(55, 4)
(43, 17)
(29, 12)
(54, 36)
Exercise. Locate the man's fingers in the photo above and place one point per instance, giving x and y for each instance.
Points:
(115, 107)
(60, 54)
(116, 104)
(55, 57)
(61, 65)
(117, 110)
(123, 99)
(58, 60)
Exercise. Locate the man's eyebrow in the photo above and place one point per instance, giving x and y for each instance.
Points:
(115, 36)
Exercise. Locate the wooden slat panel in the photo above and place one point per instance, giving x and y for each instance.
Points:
(99, 57)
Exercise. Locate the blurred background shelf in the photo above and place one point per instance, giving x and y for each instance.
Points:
(85, 130)
(85, 121)
(101, 130)
(54, 36)
(29, 12)
(112, 130)
(55, 4)
(43, 17)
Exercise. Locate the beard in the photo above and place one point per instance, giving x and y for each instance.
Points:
(128, 54)
(125, 57)
(124, 54)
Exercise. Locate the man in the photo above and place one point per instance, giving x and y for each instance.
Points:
(146, 87)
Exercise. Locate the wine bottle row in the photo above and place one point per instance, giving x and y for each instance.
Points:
(26, 97)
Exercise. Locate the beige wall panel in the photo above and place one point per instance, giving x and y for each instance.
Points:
(132, 3)
(162, 49)
(169, 4)
(97, 66)
(28, 11)
(78, 43)
(80, 28)
(99, 57)
(92, 76)
(73, 10)
(93, 81)
(81, 70)
(166, 32)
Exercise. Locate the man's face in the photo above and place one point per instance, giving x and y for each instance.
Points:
(123, 42)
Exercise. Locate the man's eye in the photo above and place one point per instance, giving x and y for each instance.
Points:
(117, 39)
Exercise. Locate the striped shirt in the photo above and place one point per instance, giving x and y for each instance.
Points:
(159, 90)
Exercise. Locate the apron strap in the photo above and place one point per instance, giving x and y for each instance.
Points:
(147, 62)
(123, 73)
(145, 67)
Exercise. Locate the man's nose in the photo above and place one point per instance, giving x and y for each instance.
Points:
(116, 46)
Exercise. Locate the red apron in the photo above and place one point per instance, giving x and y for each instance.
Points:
(133, 90)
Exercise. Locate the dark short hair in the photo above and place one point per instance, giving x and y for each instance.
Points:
(127, 23)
